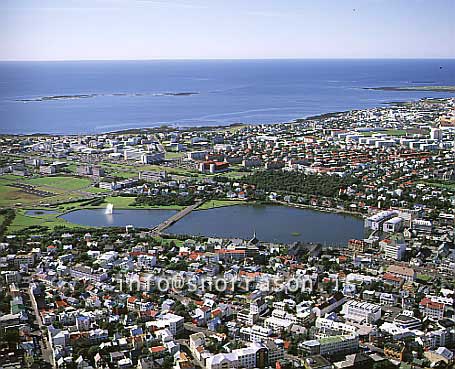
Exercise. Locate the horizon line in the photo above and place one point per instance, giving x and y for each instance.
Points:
(227, 59)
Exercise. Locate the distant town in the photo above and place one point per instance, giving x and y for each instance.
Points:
(92, 293)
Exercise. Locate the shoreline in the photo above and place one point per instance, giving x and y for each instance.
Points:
(449, 89)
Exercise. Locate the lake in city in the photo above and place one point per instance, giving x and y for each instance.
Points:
(271, 223)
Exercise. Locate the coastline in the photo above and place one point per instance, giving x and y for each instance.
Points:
(449, 89)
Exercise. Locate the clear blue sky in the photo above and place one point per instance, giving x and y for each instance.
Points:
(205, 29)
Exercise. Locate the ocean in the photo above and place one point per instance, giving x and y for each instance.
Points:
(105, 96)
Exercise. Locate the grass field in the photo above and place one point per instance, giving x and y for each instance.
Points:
(61, 182)
(118, 202)
(10, 177)
(22, 221)
(121, 202)
(95, 190)
(424, 277)
(167, 241)
(174, 155)
(10, 196)
(219, 203)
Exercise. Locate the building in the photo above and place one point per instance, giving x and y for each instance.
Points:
(317, 362)
(393, 249)
(407, 322)
(331, 304)
(246, 317)
(86, 273)
(197, 343)
(393, 225)
(253, 356)
(394, 351)
(387, 299)
(361, 312)
(436, 134)
(357, 245)
(333, 345)
(11, 276)
(213, 166)
(278, 325)
(152, 157)
(109, 184)
(408, 274)
(421, 225)
(376, 221)
(275, 351)
(153, 176)
(355, 361)
(24, 259)
(327, 327)
(197, 155)
(256, 333)
(47, 169)
(170, 321)
(222, 361)
(89, 170)
(146, 261)
(431, 309)
(132, 154)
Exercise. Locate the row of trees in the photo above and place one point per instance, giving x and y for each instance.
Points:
(8, 216)
(160, 200)
(299, 183)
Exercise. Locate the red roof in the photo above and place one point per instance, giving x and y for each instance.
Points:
(132, 299)
(158, 349)
(431, 304)
(391, 277)
(230, 251)
(61, 303)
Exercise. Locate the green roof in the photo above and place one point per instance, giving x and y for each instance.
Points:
(331, 339)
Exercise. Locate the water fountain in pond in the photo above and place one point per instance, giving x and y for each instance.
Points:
(109, 209)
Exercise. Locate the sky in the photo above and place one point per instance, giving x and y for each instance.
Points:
(225, 29)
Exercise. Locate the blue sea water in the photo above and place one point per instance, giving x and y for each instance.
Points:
(132, 94)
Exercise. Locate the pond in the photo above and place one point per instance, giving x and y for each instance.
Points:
(38, 212)
(271, 223)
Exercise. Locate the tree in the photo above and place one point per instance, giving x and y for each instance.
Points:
(11, 337)
(168, 362)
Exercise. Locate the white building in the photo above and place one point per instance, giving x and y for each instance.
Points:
(328, 327)
(361, 312)
(170, 321)
(393, 249)
(376, 221)
(256, 333)
(152, 157)
(222, 361)
(278, 325)
(197, 155)
(146, 261)
(393, 225)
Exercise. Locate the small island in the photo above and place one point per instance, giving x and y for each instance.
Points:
(87, 96)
